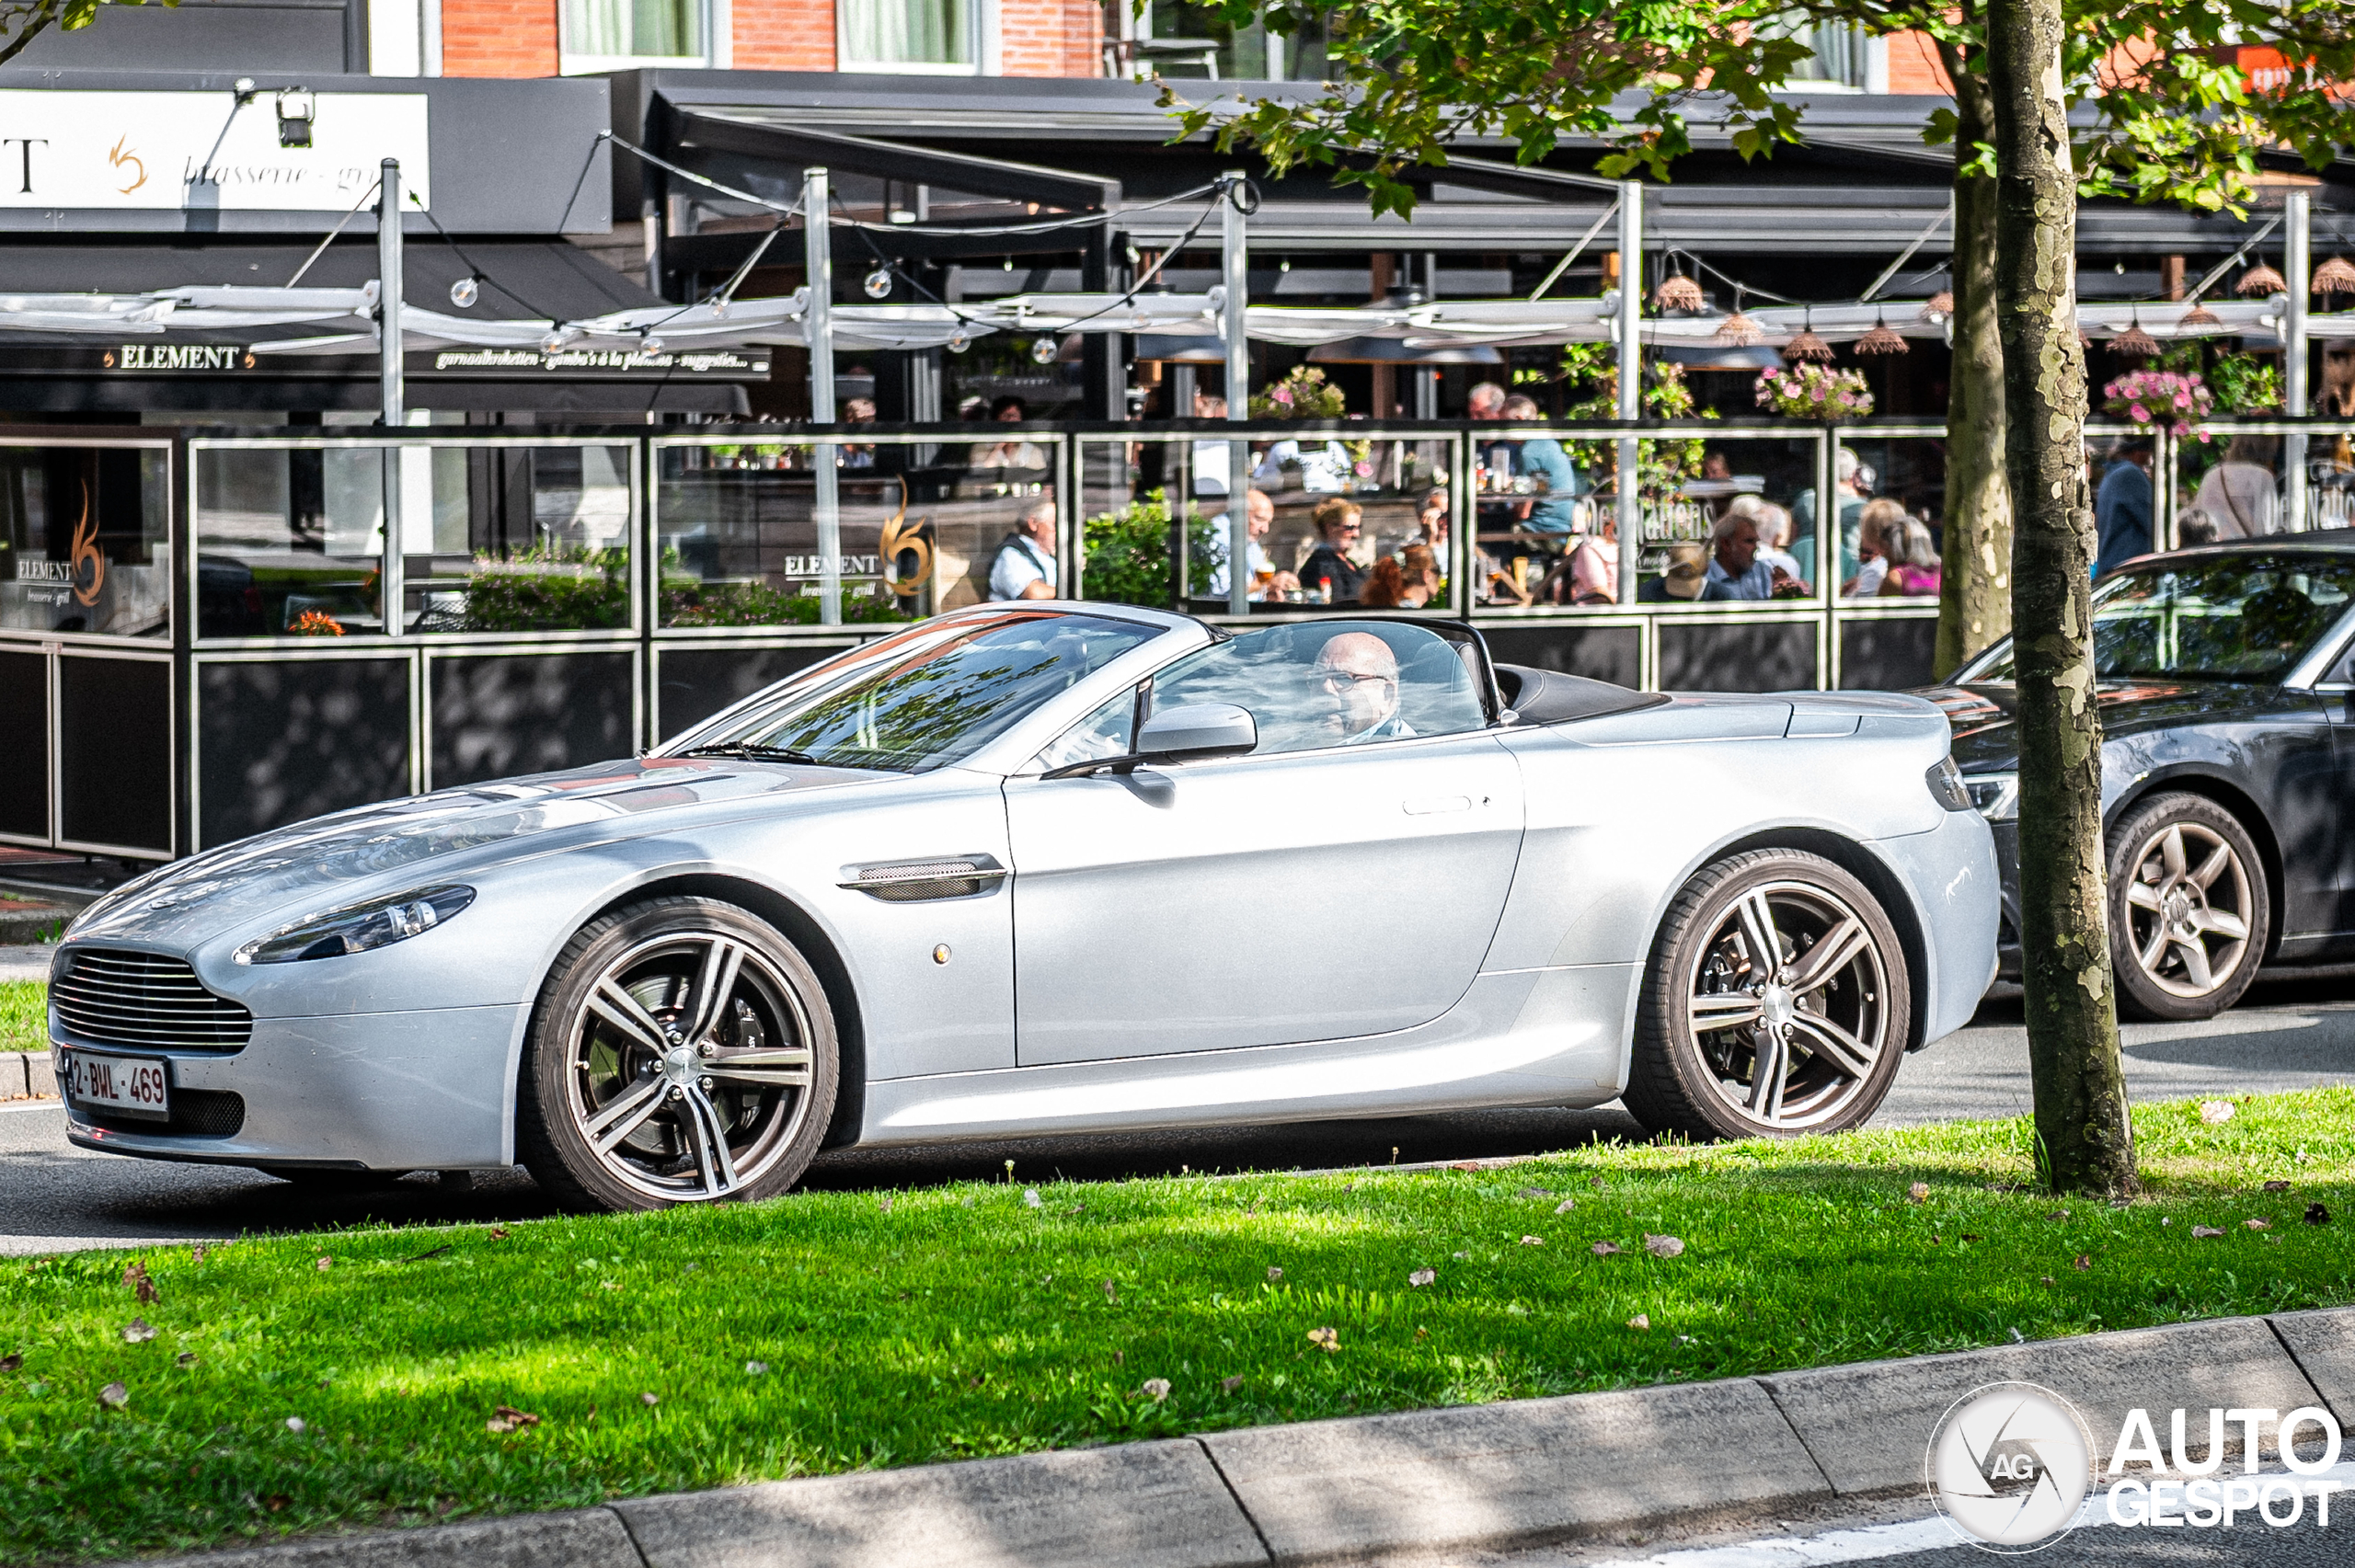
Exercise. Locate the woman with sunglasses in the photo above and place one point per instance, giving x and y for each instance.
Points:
(1328, 576)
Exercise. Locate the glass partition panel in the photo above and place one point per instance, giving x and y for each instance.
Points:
(2235, 482)
(85, 540)
(1337, 518)
(923, 526)
(1892, 504)
(289, 541)
(1547, 526)
(516, 538)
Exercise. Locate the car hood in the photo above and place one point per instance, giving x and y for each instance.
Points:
(1982, 717)
(386, 848)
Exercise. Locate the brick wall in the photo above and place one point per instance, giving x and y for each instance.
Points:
(784, 35)
(1051, 37)
(498, 38)
(1913, 65)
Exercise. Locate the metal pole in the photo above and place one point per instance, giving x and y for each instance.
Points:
(1235, 272)
(1631, 370)
(2297, 260)
(818, 329)
(393, 409)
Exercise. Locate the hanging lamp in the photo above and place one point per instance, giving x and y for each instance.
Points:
(1940, 305)
(1806, 345)
(2336, 276)
(1881, 339)
(1738, 330)
(1678, 292)
(2199, 315)
(2134, 343)
(2260, 280)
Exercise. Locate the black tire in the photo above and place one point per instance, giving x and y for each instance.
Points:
(1837, 1035)
(627, 1078)
(2189, 911)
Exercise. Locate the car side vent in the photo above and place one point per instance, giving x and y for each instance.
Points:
(915, 881)
(109, 998)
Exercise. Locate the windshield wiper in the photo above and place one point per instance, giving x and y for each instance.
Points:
(749, 752)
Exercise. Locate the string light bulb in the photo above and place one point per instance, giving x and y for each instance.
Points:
(466, 291)
(1043, 351)
(878, 283)
(649, 345)
(960, 339)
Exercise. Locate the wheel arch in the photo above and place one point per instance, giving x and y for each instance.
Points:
(2228, 795)
(1884, 885)
(795, 924)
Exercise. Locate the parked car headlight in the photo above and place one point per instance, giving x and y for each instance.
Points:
(380, 922)
(1997, 796)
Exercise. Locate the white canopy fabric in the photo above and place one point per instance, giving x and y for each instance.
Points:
(344, 321)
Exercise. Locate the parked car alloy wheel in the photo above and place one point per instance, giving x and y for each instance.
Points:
(2189, 908)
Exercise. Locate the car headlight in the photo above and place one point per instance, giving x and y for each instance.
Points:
(1997, 796)
(360, 928)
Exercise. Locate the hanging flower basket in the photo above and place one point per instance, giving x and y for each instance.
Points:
(2159, 397)
(1814, 392)
(1304, 394)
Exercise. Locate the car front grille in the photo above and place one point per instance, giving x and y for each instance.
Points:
(110, 998)
(196, 1113)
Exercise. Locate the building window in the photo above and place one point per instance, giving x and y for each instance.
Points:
(1844, 56)
(1194, 38)
(938, 36)
(611, 35)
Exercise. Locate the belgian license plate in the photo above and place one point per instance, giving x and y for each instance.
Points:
(129, 1086)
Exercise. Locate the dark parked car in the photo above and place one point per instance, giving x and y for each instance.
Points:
(2224, 677)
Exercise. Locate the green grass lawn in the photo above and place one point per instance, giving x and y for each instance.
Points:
(351, 1380)
(24, 1015)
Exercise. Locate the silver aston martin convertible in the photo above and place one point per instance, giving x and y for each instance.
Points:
(1057, 868)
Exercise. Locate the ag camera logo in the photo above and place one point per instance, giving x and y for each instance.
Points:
(2010, 1465)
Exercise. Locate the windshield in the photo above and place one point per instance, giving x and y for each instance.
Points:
(2239, 617)
(930, 696)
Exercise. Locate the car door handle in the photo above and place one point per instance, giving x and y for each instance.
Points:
(1433, 805)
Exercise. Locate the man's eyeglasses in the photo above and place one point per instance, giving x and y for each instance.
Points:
(1333, 678)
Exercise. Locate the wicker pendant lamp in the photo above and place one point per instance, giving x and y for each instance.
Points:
(1806, 345)
(2199, 316)
(1678, 292)
(1738, 331)
(1881, 339)
(2260, 280)
(2134, 343)
(2336, 276)
(1939, 306)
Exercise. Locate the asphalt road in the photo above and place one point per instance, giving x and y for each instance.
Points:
(53, 1197)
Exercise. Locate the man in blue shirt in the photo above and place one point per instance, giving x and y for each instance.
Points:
(1542, 459)
(2122, 507)
(1737, 570)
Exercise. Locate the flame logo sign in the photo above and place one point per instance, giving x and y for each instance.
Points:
(120, 154)
(85, 552)
(903, 537)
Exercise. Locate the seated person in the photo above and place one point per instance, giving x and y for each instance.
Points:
(1258, 516)
(1359, 676)
(1408, 581)
(1735, 569)
(1025, 565)
(1773, 530)
(1328, 576)
(1430, 520)
(1913, 569)
(1686, 578)
(1014, 452)
(1881, 516)
(1548, 467)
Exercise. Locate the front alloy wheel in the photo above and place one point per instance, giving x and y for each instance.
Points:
(1775, 1003)
(683, 1053)
(2189, 908)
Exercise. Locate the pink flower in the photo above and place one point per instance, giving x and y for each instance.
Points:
(2142, 414)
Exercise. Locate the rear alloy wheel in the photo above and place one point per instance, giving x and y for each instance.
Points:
(681, 1052)
(2188, 909)
(1775, 1002)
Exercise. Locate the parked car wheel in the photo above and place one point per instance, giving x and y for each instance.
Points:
(2189, 908)
(1775, 1002)
(681, 1052)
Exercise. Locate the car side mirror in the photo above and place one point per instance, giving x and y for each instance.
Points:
(1190, 733)
(1197, 729)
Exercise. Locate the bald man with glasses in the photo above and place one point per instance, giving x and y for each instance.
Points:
(1357, 675)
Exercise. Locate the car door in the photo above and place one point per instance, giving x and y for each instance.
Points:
(1310, 890)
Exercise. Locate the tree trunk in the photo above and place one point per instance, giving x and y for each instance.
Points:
(2085, 1141)
(1975, 587)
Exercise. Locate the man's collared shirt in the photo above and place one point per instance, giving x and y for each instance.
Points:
(1758, 582)
(1021, 562)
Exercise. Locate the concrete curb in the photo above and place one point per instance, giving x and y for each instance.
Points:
(1466, 1478)
(27, 1072)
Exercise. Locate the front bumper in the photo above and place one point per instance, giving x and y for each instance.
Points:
(426, 1090)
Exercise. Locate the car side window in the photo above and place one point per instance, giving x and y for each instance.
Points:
(1316, 684)
(1105, 733)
